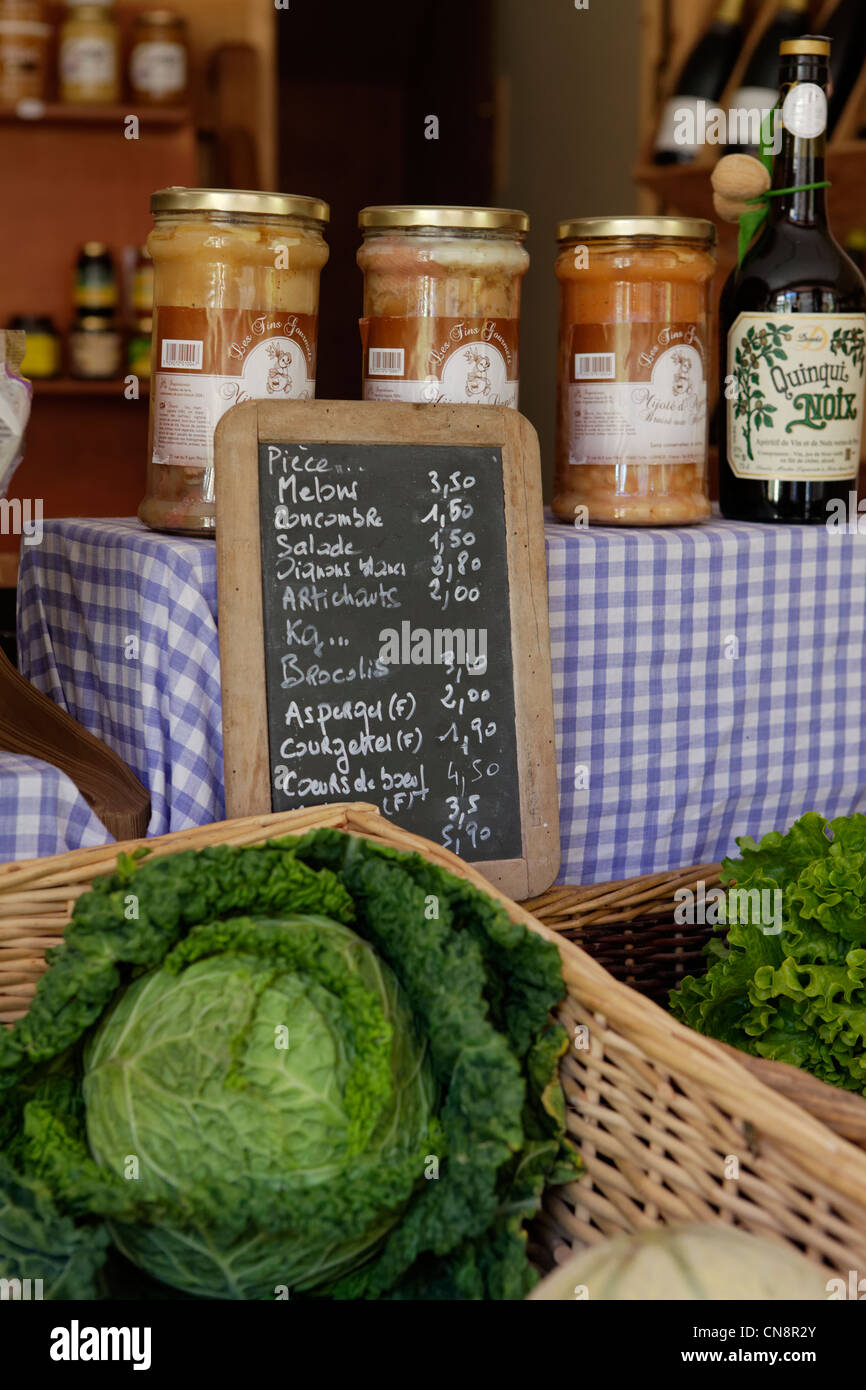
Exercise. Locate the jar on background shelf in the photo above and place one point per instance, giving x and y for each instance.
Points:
(24, 39)
(95, 349)
(442, 303)
(42, 350)
(634, 349)
(96, 292)
(141, 291)
(159, 58)
(89, 55)
(138, 348)
(236, 303)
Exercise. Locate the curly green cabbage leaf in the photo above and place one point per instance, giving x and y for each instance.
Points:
(318, 1066)
(798, 994)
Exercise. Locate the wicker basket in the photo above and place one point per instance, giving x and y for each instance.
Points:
(671, 1125)
(629, 927)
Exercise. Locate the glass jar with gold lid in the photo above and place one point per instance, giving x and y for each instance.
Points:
(159, 58)
(24, 49)
(89, 55)
(634, 349)
(442, 303)
(236, 302)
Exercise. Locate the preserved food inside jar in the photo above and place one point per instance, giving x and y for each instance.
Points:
(634, 344)
(442, 303)
(236, 297)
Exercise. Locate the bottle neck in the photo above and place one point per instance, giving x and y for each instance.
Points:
(801, 161)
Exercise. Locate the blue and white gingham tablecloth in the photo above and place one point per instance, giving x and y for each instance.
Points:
(42, 811)
(118, 625)
(708, 680)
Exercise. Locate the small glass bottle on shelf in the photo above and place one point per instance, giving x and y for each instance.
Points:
(24, 40)
(159, 59)
(89, 55)
(95, 349)
(95, 281)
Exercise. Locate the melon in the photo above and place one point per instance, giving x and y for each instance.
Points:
(686, 1263)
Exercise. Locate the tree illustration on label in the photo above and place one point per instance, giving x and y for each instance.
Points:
(850, 342)
(751, 405)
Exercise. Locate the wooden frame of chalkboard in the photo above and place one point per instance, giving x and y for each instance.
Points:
(386, 449)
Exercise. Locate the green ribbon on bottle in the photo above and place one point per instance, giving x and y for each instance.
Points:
(752, 221)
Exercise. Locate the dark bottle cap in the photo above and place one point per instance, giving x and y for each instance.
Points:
(33, 323)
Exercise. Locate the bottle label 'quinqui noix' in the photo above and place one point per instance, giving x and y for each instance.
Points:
(795, 395)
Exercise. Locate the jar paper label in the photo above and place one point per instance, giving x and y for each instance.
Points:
(464, 361)
(158, 68)
(636, 393)
(207, 360)
(88, 62)
(795, 395)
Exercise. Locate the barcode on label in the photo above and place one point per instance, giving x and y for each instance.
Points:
(385, 361)
(595, 366)
(183, 352)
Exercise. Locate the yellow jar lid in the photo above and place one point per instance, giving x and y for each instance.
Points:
(690, 228)
(241, 201)
(466, 219)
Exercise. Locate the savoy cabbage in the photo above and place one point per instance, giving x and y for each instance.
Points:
(319, 1066)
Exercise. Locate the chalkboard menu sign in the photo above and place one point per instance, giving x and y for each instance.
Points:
(375, 563)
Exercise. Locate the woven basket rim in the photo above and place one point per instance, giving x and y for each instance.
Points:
(663, 1038)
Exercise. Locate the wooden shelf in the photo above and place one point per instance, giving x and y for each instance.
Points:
(71, 386)
(56, 113)
(686, 188)
(672, 29)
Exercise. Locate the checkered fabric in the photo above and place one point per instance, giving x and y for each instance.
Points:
(42, 811)
(708, 680)
(118, 625)
(708, 683)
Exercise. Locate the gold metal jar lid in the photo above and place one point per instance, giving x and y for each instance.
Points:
(163, 19)
(243, 201)
(465, 219)
(817, 45)
(689, 228)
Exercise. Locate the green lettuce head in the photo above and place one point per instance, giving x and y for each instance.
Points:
(245, 1096)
